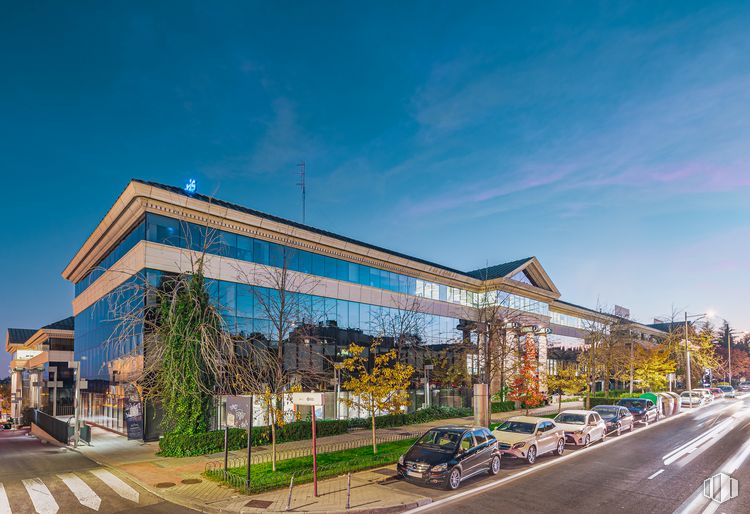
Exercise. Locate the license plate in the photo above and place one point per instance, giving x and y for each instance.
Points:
(415, 474)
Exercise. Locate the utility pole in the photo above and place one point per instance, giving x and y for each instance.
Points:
(729, 349)
(687, 355)
(76, 365)
(301, 183)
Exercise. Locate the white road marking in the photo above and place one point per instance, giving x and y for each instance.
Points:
(43, 501)
(4, 504)
(116, 484)
(714, 434)
(656, 474)
(86, 496)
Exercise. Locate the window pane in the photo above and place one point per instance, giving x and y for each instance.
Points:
(330, 267)
(342, 270)
(260, 251)
(318, 265)
(305, 261)
(352, 272)
(245, 300)
(276, 255)
(244, 248)
(226, 244)
(160, 229)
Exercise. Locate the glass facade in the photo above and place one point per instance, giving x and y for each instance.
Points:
(119, 251)
(172, 232)
(566, 320)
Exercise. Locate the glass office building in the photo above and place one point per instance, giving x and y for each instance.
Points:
(152, 230)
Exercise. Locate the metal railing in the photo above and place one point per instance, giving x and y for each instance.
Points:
(292, 453)
(53, 426)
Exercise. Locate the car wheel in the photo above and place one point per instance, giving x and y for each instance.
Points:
(587, 440)
(454, 479)
(531, 455)
(495, 465)
(560, 447)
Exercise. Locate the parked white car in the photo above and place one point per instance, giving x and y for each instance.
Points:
(526, 437)
(708, 397)
(691, 399)
(582, 427)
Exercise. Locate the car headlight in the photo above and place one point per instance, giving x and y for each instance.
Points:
(440, 467)
(401, 460)
(518, 445)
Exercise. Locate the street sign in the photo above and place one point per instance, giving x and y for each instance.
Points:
(314, 399)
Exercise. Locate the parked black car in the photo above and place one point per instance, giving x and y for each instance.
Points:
(643, 410)
(616, 417)
(448, 455)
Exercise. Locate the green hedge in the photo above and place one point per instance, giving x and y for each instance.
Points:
(611, 400)
(172, 445)
(413, 418)
(178, 445)
(503, 406)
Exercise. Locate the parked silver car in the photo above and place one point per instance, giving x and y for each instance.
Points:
(617, 419)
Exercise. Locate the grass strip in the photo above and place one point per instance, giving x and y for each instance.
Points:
(332, 464)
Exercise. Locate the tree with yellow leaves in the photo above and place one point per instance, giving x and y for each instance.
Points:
(652, 368)
(380, 388)
(568, 381)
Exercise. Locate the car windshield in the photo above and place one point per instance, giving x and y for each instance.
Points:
(571, 419)
(638, 404)
(518, 427)
(607, 412)
(727, 388)
(440, 438)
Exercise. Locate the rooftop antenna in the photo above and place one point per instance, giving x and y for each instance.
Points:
(301, 183)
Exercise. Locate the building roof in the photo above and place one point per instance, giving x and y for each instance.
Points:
(498, 270)
(669, 326)
(63, 324)
(20, 335)
(494, 271)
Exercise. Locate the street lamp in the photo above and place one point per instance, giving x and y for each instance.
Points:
(687, 344)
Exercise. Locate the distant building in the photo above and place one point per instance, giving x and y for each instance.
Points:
(153, 229)
(39, 373)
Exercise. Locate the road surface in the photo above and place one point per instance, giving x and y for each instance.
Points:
(658, 469)
(36, 477)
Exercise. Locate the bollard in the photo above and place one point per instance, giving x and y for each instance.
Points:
(348, 489)
(289, 499)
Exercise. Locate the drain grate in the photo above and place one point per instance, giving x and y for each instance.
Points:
(385, 471)
(191, 481)
(259, 504)
(164, 485)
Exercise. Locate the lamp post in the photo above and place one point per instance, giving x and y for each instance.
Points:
(687, 346)
(427, 399)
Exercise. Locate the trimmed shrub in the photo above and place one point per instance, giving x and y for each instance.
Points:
(412, 418)
(503, 406)
(174, 445)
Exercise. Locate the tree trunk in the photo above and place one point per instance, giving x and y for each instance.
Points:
(273, 444)
(374, 442)
(559, 402)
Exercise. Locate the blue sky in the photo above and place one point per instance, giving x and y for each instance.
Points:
(609, 140)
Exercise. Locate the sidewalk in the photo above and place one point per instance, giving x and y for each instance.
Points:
(179, 480)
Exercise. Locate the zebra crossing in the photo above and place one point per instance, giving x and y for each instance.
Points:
(83, 491)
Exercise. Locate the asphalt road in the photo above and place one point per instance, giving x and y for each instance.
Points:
(657, 469)
(36, 477)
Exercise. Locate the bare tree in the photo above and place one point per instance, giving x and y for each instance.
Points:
(171, 339)
(284, 298)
